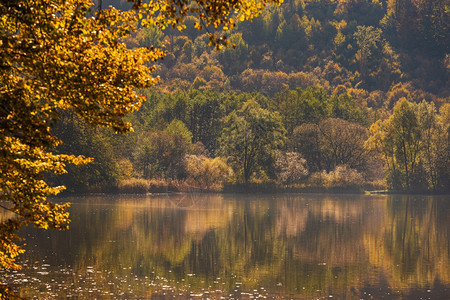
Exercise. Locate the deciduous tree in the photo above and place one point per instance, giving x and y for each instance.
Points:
(413, 143)
(367, 39)
(207, 172)
(162, 153)
(291, 167)
(249, 136)
(331, 143)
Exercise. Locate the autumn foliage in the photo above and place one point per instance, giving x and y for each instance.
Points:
(328, 93)
(62, 56)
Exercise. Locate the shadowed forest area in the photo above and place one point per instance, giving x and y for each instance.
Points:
(312, 94)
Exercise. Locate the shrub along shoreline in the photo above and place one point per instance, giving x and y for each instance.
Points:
(153, 186)
(140, 186)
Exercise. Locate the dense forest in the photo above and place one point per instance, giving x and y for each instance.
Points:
(335, 94)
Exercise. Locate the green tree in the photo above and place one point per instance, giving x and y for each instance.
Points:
(313, 104)
(413, 143)
(442, 161)
(435, 151)
(404, 130)
(150, 37)
(345, 107)
(302, 106)
(203, 121)
(232, 58)
(81, 139)
(368, 39)
(162, 153)
(250, 135)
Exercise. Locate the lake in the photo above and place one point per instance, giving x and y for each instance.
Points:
(302, 246)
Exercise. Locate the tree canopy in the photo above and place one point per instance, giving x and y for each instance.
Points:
(413, 143)
(249, 137)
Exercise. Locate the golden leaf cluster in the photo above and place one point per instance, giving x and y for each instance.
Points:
(218, 15)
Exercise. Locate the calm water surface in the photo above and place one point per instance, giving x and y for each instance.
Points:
(235, 246)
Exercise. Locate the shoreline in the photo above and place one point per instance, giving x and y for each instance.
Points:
(245, 189)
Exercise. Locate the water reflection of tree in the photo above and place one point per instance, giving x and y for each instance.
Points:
(327, 252)
(412, 245)
(306, 243)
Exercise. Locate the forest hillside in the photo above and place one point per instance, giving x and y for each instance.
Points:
(313, 94)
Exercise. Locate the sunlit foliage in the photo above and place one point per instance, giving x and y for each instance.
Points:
(207, 172)
(219, 15)
(413, 143)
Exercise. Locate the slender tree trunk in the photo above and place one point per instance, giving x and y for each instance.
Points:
(405, 158)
